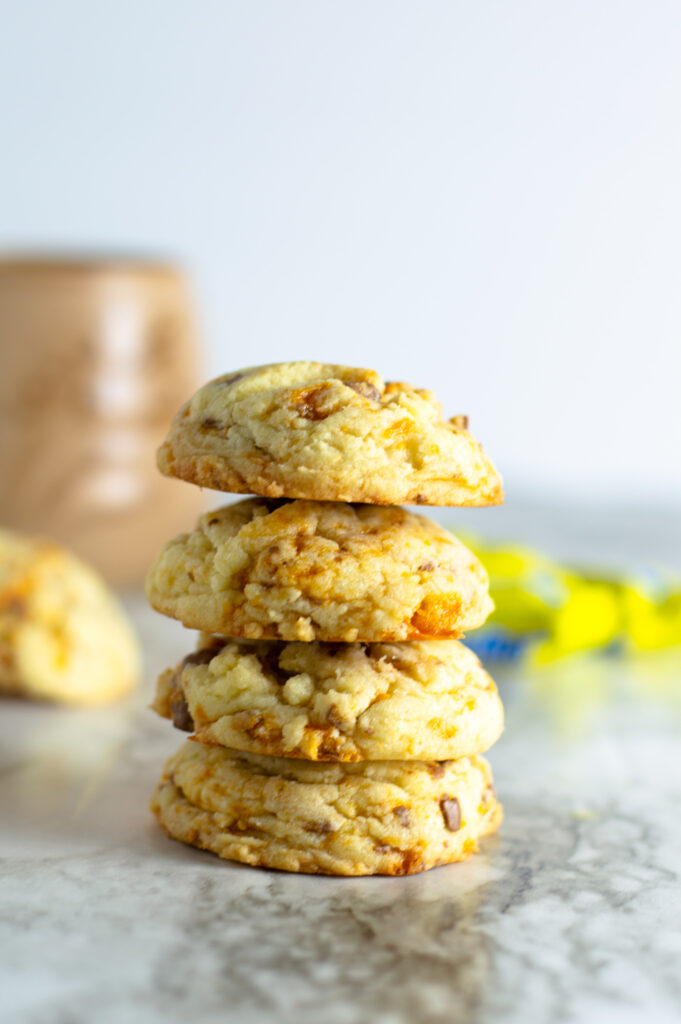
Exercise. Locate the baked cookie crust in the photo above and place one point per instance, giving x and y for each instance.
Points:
(305, 570)
(389, 817)
(327, 433)
(426, 700)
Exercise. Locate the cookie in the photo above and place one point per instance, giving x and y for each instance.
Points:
(427, 700)
(375, 817)
(307, 570)
(327, 433)
(63, 636)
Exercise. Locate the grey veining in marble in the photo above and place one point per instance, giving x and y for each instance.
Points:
(571, 913)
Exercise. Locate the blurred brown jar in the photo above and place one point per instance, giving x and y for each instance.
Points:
(96, 356)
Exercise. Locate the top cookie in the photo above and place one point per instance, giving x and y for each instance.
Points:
(327, 433)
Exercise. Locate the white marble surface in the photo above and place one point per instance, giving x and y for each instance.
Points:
(571, 913)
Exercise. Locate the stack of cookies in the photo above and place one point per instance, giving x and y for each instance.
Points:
(337, 721)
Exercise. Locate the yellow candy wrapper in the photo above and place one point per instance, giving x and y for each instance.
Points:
(545, 611)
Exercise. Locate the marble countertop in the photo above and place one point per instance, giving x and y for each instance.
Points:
(571, 913)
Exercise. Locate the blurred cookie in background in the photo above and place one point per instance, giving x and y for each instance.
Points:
(63, 635)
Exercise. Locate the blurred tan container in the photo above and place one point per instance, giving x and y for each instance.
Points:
(96, 356)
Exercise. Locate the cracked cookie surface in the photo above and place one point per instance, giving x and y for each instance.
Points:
(328, 433)
(426, 700)
(389, 817)
(306, 570)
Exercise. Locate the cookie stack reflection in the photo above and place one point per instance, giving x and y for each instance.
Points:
(337, 723)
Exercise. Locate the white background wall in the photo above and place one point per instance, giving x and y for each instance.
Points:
(479, 197)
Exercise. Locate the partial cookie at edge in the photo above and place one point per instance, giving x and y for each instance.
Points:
(63, 635)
